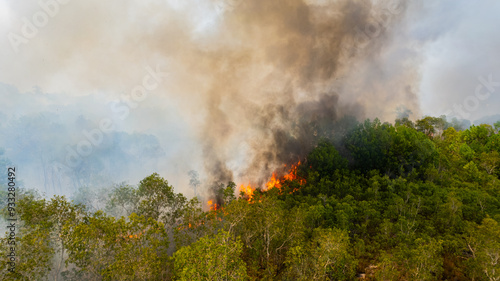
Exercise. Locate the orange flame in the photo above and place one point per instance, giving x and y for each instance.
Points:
(274, 182)
(248, 190)
(212, 206)
(292, 175)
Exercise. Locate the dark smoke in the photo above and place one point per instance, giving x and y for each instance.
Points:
(253, 84)
(306, 47)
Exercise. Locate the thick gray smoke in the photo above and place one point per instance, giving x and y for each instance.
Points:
(241, 87)
(278, 79)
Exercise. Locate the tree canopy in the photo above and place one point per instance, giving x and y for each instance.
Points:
(411, 201)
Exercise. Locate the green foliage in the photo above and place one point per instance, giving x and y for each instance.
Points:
(193, 225)
(103, 247)
(483, 244)
(266, 231)
(431, 125)
(404, 122)
(123, 201)
(34, 254)
(477, 136)
(42, 244)
(368, 145)
(326, 257)
(216, 257)
(325, 160)
(420, 260)
(142, 251)
(405, 202)
(395, 151)
(157, 200)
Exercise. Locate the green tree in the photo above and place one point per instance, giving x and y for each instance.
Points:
(157, 200)
(490, 161)
(193, 225)
(92, 244)
(105, 248)
(404, 122)
(421, 260)
(497, 126)
(326, 257)
(395, 151)
(34, 255)
(431, 125)
(424, 262)
(214, 257)
(41, 234)
(483, 243)
(123, 200)
(325, 159)
(477, 136)
(194, 181)
(141, 253)
(410, 151)
(368, 145)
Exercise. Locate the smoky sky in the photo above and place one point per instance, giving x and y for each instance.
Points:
(245, 86)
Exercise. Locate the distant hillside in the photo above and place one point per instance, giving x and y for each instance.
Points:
(490, 120)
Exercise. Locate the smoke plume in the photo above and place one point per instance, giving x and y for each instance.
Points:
(253, 83)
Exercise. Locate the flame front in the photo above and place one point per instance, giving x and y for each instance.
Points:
(248, 190)
(212, 206)
(274, 182)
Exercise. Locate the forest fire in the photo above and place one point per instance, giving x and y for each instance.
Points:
(292, 175)
(213, 206)
(274, 182)
(248, 190)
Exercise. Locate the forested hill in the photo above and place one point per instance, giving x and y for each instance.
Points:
(409, 201)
